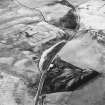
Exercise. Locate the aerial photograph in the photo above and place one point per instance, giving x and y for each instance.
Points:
(52, 52)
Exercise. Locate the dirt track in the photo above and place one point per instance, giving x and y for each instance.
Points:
(23, 37)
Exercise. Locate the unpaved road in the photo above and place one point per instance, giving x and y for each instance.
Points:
(23, 37)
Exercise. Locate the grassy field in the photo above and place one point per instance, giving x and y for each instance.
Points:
(23, 37)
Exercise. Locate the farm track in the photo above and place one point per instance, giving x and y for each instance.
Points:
(24, 35)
